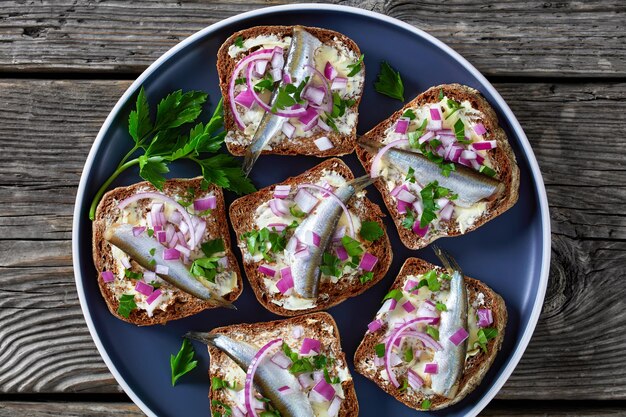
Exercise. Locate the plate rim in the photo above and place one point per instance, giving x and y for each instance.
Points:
(507, 112)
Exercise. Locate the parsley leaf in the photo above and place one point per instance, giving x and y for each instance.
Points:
(339, 109)
(127, 304)
(409, 219)
(366, 277)
(296, 212)
(454, 107)
(396, 294)
(487, 171)
(410, 175)
(380, 350)
(426, 404)
(407, 355)
(353, 247)
(410, 114)
(240, 81)
(219, 383)
(205, 267)
(356, 67)
(404, 386)
(371, 231)
(288, 95)
(264, 84)
(459, 132)
(432, 332)
(165, 141)
(389, 82)
(432, 281)
(183, 362)
(431, 192)
(441, 306)
(239, 42)
(485, 335)
(330, 265)
(213, 246)
(132, 275)
(257, 241)
(416, 134)
(441, 96)
(227, 410)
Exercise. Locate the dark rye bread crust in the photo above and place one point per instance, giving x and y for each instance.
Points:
(502, 156)
(249, 333)
(475, 366)
(343, 144)
(242, 219)
(185, 304)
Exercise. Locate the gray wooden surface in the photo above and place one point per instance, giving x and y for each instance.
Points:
(64, 64)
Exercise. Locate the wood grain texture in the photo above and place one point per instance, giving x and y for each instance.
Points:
(515, 37)
(577, 351)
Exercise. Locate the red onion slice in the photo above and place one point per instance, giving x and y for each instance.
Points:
(281, 360)
(375, 169)
(171, 254)
(143, 288)
(249, 394)
(305, 200)
(162, 269)
(375, 325)
(368, 261)
(155, 297)
(245, 98)
(333, 195)
(309, 345)
(325, 390)
(459, 336)
(267, 270)
(479, 128)
(323, 143)
(329, 71)
(390, 344)
(282, 191)
(415, 381)
(339, 83)
(107, 276)
(288, 129)
(431, 368)
(484, 145)
(485, 317)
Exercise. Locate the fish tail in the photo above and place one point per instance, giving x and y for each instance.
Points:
(220, 302)
(206, 338)
(446, 259)
(248, 161)
(361, 182)
(369, 145)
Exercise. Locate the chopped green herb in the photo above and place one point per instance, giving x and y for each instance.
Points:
(389, 82)
(219, 383)
(426, 404)
(213, 246)
(183, 362)
(356, 67)
(339, 109)
(227, 410)
(330, 265)
(127, 304)
(296, 212)
(371, 231)
(353, 247)
(410, 176)
(239, 42)
(454, 107)
(289, 353)
(441, 96)
(289, 95)
(415, 135)
(366, 277)
(441, 306)
(487, 171)
(150, 232)
(205, 267)
(380, 350)
(409, 219)
(257, 242)
(152, 251)
(132, 275)
(152, 262)
(155, 284)
(432, 332)
(396, 294)
(430, 193)
(410, 114)
(264, 84)
(485, 335)
(240, 81)
(433, 282)
(459, 132)
(407, 355)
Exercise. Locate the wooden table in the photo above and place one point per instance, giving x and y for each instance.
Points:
(561, 66)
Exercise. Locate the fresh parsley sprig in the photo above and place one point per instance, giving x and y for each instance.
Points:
(183, 362)
(389, 82)
(162, 141)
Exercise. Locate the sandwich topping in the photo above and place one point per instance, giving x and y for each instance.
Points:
(283, 89)
(295, 373)
(306, 235)
(437, 168)
(420, 338)
(161, 243)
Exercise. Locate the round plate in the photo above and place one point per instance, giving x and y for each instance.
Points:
(511, 253)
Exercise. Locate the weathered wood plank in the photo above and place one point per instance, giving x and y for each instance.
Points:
(496, 408)
(577, 351)
(505, 38)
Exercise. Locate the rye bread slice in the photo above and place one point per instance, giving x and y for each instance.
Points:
(184, 304)
(320, 326)
(502, 156)
(242, 218)
(343, 144)
(475, 366)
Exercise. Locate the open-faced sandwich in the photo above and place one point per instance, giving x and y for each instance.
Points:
(290, 90)
(311, 241)
(444, 166)
(292, 367)
(435, 336)
(164, 255)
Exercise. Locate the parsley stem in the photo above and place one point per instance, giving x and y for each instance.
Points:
(123, 161)
(100, 193)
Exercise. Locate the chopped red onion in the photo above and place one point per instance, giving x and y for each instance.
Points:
(459, 336)
(182, 249)
(485, 317)
(435, 113)
(322, 125)
(245, 98)
(323, 143)
(107, 276)
(305, 200)
(426, 137)
(125, 262)
(148, 276)
(455, 153)
(171, 254)
(278, 207)
(286, 282)
(278, 59)
(397, 189)
(434, 125)
(329, 71)
(162, 269)
(479, 159)
(415, 381)
(309, 345)
(484, 145)
(260, 66)
(311, 238)
(334, 407)
(468, 155)
(309, 118)
(417, 229)
(431, 368)
(402, 206)
(401, 126)
(375, 325)
(305, 380)
(465, 162)
(479, 128)
(447, 140)
(156, 296)
(339, 83)
(341, 252)
(143, 288)
(282, 191)
(223, 262)
(267, 270)
(137, 230)
(183, 227)
(442, 202)
(388, 305)
(297, 332)
(408, 307)
(325, 390)
(281, 360)
(161, 236)
(208, 203)
(368, 261)
(277, 74)
(314, 94)
(446, 213)
(406, 196)
(409, 285)
(277, 227)
(288, 129)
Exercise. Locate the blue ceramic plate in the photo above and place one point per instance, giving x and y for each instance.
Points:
(511, 253)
